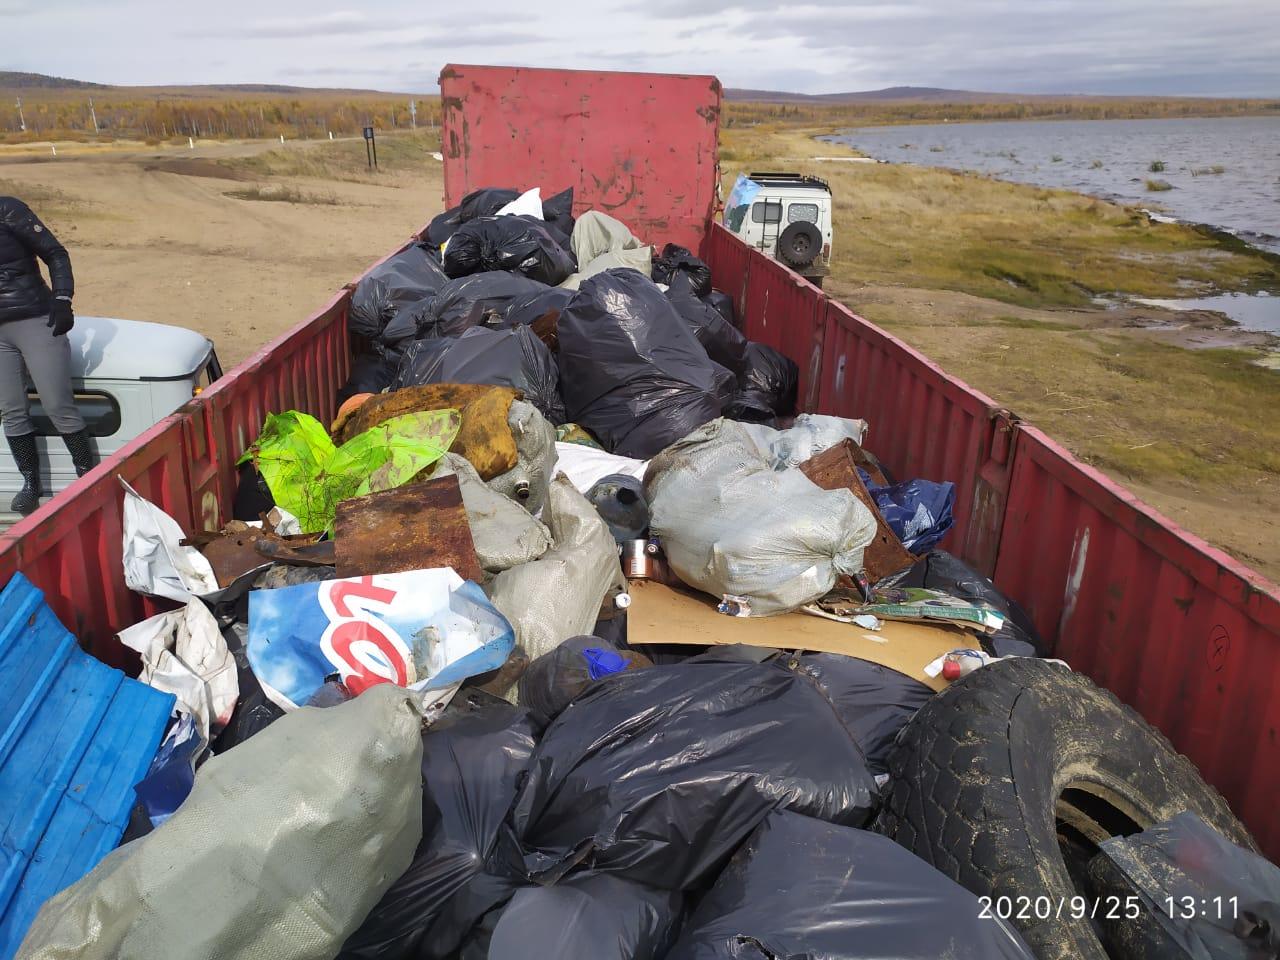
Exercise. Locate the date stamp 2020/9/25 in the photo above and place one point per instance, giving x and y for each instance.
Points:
(1104, 908)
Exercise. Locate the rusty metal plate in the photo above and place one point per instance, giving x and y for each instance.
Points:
(414, 527)
(836, 469)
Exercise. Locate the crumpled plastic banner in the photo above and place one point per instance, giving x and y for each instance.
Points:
(423, 629)
(308, 475)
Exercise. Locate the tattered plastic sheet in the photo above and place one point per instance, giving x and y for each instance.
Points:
(184, 653)
(424, 629)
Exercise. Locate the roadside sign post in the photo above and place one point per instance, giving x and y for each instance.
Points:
(370, 148)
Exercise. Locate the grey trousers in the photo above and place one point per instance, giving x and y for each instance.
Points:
(31, 346)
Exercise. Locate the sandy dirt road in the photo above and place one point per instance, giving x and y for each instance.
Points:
(151, 244)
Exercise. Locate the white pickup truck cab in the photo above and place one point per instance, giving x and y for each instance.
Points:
(128, 375)
(789, 219)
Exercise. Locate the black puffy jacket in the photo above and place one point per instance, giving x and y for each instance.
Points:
(23, 292)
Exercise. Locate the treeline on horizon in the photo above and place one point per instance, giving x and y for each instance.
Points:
(123, 115)
(1066, 108)
(157, 117)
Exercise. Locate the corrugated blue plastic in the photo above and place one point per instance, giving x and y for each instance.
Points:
(75, 736)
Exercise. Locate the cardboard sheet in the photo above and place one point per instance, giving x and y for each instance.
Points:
(660, 614)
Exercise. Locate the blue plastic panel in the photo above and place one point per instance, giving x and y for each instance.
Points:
(75, 736)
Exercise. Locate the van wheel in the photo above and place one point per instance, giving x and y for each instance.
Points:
(799, 244)
(1008, 780)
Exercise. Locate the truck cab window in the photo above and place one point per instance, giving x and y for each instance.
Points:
(802, 211)
(766, 211)
(101, 414)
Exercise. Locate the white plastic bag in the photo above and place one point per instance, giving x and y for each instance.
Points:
(504, 533)
(528, 204)
(733, 526)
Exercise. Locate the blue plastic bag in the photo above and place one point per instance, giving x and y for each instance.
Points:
(918, 511)
(172, 772)
(744, 191)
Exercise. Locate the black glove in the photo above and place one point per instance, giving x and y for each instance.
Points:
(61, 319)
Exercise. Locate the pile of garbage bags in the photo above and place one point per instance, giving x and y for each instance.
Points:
(424, 708)
(591, 323)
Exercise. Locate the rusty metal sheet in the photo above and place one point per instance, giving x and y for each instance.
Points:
(836, 469)
(642, 147)
(414, 527)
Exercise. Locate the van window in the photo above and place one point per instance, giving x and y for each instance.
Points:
(802, 211)
(766, 211)
(100, 410)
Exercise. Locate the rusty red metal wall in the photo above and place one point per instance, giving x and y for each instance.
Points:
(1174, 627)
(641, 147)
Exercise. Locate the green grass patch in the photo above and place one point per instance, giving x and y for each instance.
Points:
(344, 160)
(281, 194)
(1156, 166)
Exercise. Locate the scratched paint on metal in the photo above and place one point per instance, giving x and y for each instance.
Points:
(641, 147)
(75, 736)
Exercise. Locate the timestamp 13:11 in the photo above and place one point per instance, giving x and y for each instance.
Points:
(1189, 908)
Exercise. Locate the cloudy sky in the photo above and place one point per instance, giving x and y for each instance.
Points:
(1222, 47)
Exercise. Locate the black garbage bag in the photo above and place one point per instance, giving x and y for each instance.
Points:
(681, 270)
(370, 373)
(515, 243)
(525, 311)
(940, 570)
(485, 202)
(588, 916)
(1200, 895)
(723, 304)
(767, 387)
(723, 342)
(479, 299)
(658, 774)
(400, 283)
(471, 760)
(872, 701)
(557, 213)
(803, 889)
(503, 358)
(554, 679)
(631, 371)
(254, 710)
(767, 381)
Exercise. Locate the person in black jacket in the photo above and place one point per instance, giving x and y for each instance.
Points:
(34, 322)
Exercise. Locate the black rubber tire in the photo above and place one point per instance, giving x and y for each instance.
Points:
(977, 774)
(799, 244)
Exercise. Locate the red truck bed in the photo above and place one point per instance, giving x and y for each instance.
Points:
(1171, 625)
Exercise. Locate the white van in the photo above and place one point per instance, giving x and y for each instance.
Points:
(127, 375)
(788, 218)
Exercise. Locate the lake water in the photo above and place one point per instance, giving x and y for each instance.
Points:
(1224, 172)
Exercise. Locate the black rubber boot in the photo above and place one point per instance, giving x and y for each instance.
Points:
(27, 459)
(81, 449)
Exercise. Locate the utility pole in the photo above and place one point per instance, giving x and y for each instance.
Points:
(413, 114)
(94, 115)
(22, 121)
